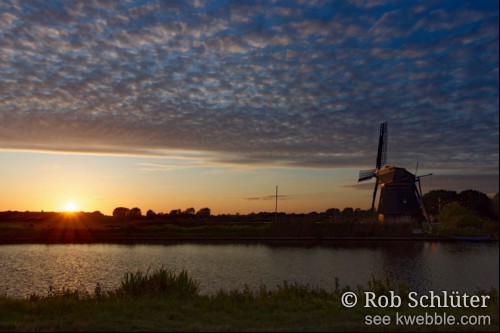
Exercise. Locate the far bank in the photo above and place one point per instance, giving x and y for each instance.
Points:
(81, 228)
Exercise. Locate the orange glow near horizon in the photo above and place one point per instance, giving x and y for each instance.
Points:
(73, 183)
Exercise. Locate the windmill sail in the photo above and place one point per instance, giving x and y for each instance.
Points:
(366, 174)
(380, 162)
(382, 146)
(381, 155)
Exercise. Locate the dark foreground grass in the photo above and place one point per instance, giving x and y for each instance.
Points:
(165, 301)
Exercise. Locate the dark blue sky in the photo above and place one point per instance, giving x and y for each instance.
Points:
(293, 83)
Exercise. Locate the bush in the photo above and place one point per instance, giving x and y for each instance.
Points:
(454, 215)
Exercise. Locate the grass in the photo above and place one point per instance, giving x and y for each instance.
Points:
(163, 300)
(160, 282)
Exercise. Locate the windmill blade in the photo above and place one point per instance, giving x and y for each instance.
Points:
(366, 174)
(382, 146)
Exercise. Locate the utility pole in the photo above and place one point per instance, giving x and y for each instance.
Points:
(276, 206)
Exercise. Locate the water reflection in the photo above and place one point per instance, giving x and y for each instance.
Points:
(402, 261)
(425, 266)
(456, 265)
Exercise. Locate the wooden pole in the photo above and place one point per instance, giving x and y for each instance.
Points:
(276, 206)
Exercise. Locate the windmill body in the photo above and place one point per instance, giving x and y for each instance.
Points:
(400, 197)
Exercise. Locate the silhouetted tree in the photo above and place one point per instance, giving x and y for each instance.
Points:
(121, 213)
(190, 211)
(150, 213)
(361, 214)
(175, 212)
(495, 206)
(135, 213)
(437, 199)
(347, 214)
(476, 201)
(333, 214)
(97, 215)
(203, 212)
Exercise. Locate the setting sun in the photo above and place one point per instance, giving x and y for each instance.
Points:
(70, 206)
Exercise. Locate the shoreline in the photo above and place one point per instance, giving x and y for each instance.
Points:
(239, 240)
(52, 228)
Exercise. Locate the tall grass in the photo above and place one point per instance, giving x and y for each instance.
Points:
(160, 282)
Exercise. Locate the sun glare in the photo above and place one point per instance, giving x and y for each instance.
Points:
(70, 207)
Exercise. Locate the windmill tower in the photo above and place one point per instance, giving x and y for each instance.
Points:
(400, 197)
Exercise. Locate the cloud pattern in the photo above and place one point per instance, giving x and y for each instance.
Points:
(294, 83)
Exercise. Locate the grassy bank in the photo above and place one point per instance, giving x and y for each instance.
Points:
(165, 301)
(66, 228)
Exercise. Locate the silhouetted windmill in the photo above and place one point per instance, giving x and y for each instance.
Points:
(400, 197)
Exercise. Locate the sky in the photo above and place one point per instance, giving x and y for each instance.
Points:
(167, 105)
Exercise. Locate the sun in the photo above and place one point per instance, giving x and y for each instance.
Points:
(70, 207)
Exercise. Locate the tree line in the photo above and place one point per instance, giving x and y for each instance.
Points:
(347, 214)
(135, 213)
(467, 213)
(474, 201)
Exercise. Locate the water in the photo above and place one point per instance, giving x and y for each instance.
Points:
(465, 267)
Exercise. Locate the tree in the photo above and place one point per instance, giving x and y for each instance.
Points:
(203, 212)
(190, 211)
(333, 214)
(436, 199)
(135, 213)
(121, 213)
(454, 215)
(150, 213)
(97, 215)
(347, 214)
(175, 212)
(495, 206)
(476, 201)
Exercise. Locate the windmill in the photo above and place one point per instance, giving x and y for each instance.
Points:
(400, 197)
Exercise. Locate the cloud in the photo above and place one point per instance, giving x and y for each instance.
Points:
(292, 85)
(269, 197)
(174, 164)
